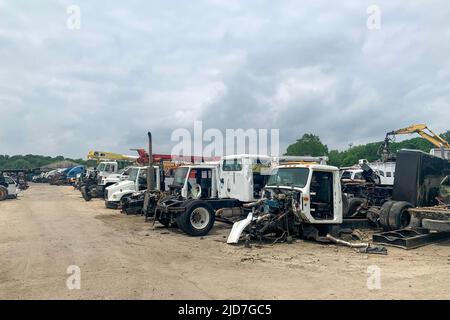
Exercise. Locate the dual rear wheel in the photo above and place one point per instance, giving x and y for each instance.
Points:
(197, 219)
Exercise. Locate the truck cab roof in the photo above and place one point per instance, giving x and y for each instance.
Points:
(320, 167)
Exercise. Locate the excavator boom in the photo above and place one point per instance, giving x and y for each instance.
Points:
(101, 155)
(425, 133)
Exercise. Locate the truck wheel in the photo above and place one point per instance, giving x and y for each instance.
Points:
(86, 193)
(399, 217)
(384, 214)
(3, 193)
(353, 205)
(197, 219)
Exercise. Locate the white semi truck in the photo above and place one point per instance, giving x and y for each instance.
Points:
(135, 181)
(106, 174)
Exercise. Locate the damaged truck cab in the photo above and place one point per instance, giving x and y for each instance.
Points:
(319, 188)
(298, 199)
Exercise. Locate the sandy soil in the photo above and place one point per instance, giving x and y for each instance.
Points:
(121, 257)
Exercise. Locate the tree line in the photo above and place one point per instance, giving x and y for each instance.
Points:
(311, 145)
(31, 161)
(308, 145)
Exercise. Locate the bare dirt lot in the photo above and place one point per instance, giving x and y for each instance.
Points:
(121, 257)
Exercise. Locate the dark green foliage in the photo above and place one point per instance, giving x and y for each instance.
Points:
(31, 161)
(310, 144)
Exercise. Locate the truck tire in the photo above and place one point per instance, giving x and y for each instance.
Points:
(3, 193)
(399, 217)
(197, 219)
(353, 205)
(384, 214)
(86, 193)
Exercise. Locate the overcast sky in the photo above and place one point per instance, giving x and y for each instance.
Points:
(300, 66)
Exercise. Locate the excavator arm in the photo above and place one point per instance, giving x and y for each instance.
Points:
(420, 129)
(425, 133)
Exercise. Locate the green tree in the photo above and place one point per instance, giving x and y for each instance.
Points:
(335, 158)
(19, 164)
(31, 161)
(446, 136)
(308, 145)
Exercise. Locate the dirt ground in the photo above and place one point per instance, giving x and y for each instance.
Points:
(121, 257)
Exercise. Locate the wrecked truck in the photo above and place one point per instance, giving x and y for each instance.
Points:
(300, 200)
(204, 193)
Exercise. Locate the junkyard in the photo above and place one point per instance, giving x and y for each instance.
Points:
(51, 227)
(217, 227)
(216, 157)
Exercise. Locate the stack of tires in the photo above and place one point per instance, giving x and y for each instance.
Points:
(394, 215)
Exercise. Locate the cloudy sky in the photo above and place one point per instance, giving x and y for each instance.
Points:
(299, 66)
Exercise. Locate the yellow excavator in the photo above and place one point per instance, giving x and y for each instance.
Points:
(420, 129)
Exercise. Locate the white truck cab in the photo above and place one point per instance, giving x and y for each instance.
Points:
(136, 181)
(240, 177)
(113, 178)
(307, 195)
(196, 181)
(320, 188)
(109, 174)
(243, 176)
(107, 168)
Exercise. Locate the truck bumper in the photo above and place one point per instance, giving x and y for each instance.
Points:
(112, 204)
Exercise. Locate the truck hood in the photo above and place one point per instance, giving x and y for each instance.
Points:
(122, 185)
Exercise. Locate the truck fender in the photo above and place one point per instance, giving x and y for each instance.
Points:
(238, 228)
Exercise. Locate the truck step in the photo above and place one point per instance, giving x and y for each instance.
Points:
(409, 238)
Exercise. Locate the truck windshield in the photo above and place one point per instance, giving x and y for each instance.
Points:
(101, 167)
(180, 176)
(292, 177)
(133, 174)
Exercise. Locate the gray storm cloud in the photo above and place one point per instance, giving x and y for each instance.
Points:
(299, 66)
